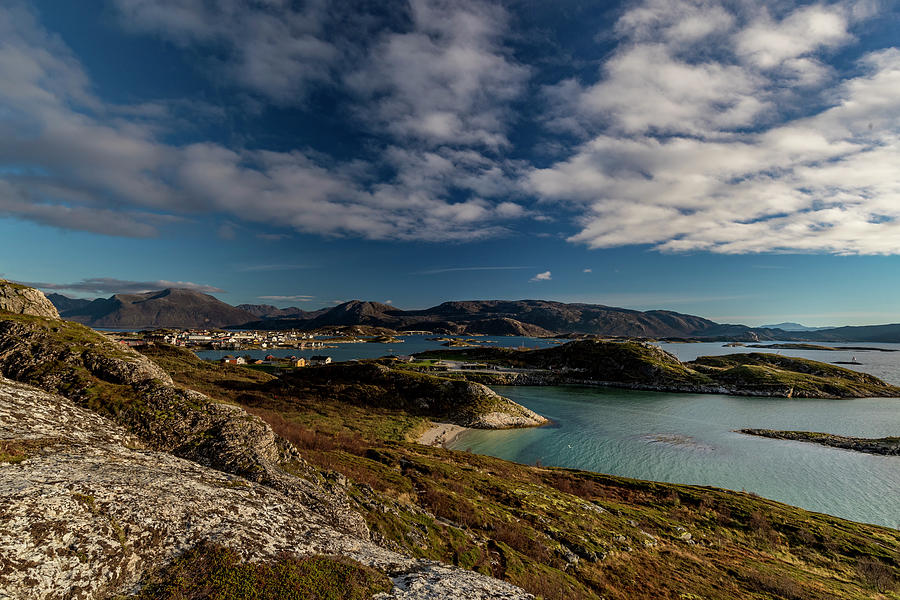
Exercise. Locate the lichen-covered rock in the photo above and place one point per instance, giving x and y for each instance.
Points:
(127, 368)
(72, 359)
(90, 513)
(22, 300)
(506, 414)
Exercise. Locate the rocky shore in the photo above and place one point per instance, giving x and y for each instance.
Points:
(889, 446)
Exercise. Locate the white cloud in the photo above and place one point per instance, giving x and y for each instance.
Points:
(447, 80)
(545, 276)
(290, 298)
(709, 155)
(276, 48)
(768, 43)
(587, 270)
(109, 285)
(82, 163)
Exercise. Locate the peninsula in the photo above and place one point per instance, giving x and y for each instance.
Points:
(644, 366)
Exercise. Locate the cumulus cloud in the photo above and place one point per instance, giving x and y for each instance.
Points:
(446, 80)
(587, 270)
(545, 276)
(276, 48)
(693, 141)
(82, 163)
(109, 285)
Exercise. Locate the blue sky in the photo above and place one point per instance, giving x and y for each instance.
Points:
(732, 159)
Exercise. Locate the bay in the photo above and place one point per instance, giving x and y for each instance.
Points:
(691, 438)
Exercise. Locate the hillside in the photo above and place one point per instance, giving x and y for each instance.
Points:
(267, 311)
(645, 366)
(166, 308)
(534, 318)
(519, 317)
(132, 468)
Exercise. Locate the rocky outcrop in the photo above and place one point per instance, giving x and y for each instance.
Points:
(502, 414)
(371, 384)
(22, 300)
(95, 372)
(644, 366)
(889, 446)
(90, 512)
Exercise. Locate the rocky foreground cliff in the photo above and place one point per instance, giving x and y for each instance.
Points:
(109, 471)
(89, 511)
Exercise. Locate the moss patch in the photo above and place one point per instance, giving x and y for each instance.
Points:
(213, 572)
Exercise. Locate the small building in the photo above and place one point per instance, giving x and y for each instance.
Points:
(231, 360)
(319, 360)
(300, 362)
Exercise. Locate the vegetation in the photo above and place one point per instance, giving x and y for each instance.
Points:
(797, 377)
(563, 533)
(229, 383)
(645, 366)
(558, 533)
(15, 451)
(52, 357)
(209, 571)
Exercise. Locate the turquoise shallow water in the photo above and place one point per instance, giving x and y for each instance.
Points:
(690, 438)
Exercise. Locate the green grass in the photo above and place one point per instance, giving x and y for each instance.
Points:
(521, 523)
(640, 365)
(524, 524)
(209, 571)
(796, 376)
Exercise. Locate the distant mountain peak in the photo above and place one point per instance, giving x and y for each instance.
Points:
(791, 326)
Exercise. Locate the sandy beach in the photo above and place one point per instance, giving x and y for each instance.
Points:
(441, 434)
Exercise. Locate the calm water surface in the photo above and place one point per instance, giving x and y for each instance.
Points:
(689, 438)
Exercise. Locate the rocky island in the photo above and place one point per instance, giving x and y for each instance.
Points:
(155, 475)
(644, 366)
(887, 446)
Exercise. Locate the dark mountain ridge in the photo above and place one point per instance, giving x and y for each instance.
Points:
(171, 307)
(189, 309)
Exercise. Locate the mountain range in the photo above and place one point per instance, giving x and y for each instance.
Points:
(183, 308)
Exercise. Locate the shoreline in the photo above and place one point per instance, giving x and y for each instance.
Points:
(441, 434)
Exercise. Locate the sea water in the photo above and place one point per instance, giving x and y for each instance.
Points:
(691, 438)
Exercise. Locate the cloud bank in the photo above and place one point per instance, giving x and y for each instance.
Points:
(708, 125)
(109, 285)
(695, 137)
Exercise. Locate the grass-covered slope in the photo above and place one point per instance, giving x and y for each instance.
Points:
(645, 366)
(364, 385)
(776, 375)
(570, 534)
(370, 384)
